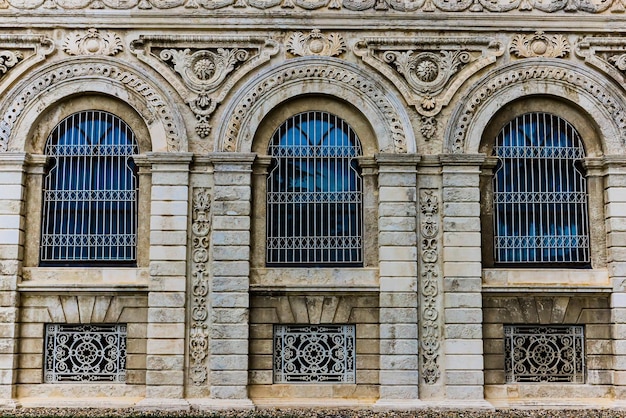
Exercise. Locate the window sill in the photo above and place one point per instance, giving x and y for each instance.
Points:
(542, 280)
(42, 279)
(315, 279)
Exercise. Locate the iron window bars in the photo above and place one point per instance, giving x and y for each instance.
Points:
(90, 191)
(540, 192)
(314, 193)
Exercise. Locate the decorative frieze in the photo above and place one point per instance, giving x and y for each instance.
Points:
(93, 42)
(540, 45)
(430, 338)
(316, 43)
(199, 333)
(428, 71)
(204, 69)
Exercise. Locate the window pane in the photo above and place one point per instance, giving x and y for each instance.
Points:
(540, 193)
(90, 191)
(314, 193)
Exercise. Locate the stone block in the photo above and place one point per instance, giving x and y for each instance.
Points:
(393, 331)
(462, 300)
(231, 223)
(399, 347)
(230, 238)
(465, 392)
(402, 300)
(462, 254)
(232, 362)
(166, 299)
(397, 315)
(398, 284)
(232, 193)
(398, 362)
(461, 194)
(169, 193)
(230, 284)
(463, 316)
(407, 209)
(398, 268)
(231, 253)
(170, 207)
(227, 347)
(397, 254)
(392, 391)
(461, 224)
(165, 346)
(168, 223)
(229, 377)
(397, 223)
(169, 238)
(395, 179)
(398, 377)
(397, 239)
(167, 283)
(230, 300)
(461, 239)
(229, 392)
(10, 237)
(166, 315)
(229, 315)
(464, 377)
(166, 331)
(467, 179)
(462, 269)
(465, 209)
(228, 331)
(161, 362)
(175, 391)
(396, 194)
(168, 268)
(170, 178)
(463, 331)
(231, 208)
(168, 253)
(463, 346)
(232, 178)
(462, 284)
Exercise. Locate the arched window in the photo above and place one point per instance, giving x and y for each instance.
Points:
(314, 193)
(89, 211)
(540, 193)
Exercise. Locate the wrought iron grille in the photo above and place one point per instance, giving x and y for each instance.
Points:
(314, 193)
(540, 192)
(90, 191)
(544, 353)
(314, 354)
(85, 353)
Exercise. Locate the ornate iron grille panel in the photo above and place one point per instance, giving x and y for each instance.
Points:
(540, 193)
(90, 191)
(314, 354)
(85, 353)
(544, 353)
(314, 193)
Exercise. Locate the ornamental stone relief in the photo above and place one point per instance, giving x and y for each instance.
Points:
(93, 42)
(15, 49)
(199, 333)
(540, 45)
(606, 54)
(428, 71)
(428, 6)
(430, 340)
(204, 69)
(316, 43)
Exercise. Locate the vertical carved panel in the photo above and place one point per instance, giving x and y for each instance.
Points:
(199, 334)
(430, 341)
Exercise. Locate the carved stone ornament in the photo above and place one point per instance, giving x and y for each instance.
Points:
(495, 84)
(606, 54)
(199, 333)
(130, 80)
(540, 45)
(207, 66)
(428, 128)
(15, 49)
(93, 42)
(375, 6)
(428, 71)
(430, 339)
(301, 72)
(316, 43)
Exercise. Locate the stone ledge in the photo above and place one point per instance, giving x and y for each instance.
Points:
(162, 404)
(200, 404)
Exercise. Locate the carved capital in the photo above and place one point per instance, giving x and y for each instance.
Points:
(316, 43)
(540, 45)
(428, 71)
(93, 42)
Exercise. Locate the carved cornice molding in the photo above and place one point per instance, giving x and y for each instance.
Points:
(302, 72)
(606, 54)
(23, 49)
(539, 44)
(428, 71)
(427, 6)
(545, 71)
(316, 43)
(203, 69)
(94, 69)
(93, 42)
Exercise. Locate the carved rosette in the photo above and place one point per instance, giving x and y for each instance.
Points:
(316, 43)
(206, 67)
(540, 45)
(430, 340)
(428, 71)
(199, 333)
(93, 42)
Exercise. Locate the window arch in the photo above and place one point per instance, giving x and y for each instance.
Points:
(540, 201)
(90, 189)
(314, 193)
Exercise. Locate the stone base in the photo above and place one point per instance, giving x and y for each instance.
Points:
(6, 404)
(76, 403)
(220, 404)
(414, 404)
(558, 403)
(155, 404)
(270, 403)
(399, 405)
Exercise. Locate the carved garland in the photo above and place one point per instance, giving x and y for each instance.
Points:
(431, 334)
(199, 335)
(129, 79)
(320, 72)
(520, 75)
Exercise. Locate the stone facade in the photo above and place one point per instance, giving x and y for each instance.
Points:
(425, 85)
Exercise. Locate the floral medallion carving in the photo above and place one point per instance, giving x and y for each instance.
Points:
(316, 43)
(94, 69)
(207, 66)
(428, 71)
(302, 72)
(93, 42)
(199, 332)
(430, 340)
(495, 84)
(540, 45)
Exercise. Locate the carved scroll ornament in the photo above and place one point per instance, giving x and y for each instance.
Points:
(316, 43)
(606, 54)
(206, 67)
(428, 71)
(15, 49)
(540, 45)
(93, 42)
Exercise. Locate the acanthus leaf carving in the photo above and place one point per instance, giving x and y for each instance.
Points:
(540, 45)
(93, 42)
(199, 333)
(428, 71)
(316, 43)
(206, 67)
